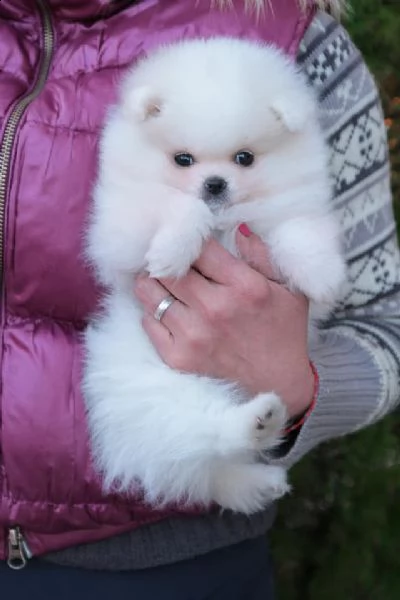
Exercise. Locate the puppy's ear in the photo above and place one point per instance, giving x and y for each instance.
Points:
(293, 114)
(142, 103)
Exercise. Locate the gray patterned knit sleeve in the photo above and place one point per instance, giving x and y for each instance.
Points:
(358, 357)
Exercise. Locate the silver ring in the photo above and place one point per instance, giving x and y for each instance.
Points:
(163, 307)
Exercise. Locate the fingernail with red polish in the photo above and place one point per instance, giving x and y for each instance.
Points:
(244, 230)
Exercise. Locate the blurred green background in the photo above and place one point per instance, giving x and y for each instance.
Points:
(338, 536)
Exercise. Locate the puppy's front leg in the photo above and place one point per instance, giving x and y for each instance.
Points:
(185, 223)
(307, 253)
(145, 226)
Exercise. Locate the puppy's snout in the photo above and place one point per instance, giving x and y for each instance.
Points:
(215, 186)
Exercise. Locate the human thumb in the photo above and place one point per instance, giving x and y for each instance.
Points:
(253, 251)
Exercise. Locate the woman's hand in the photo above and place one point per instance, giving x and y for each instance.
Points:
(233, 321)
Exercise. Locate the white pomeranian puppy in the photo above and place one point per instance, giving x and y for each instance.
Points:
(208, 134)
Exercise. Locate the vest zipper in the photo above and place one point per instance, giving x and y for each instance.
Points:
(16, 115)
(18, 550)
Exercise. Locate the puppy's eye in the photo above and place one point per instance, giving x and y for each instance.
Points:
(184, 159)
(244, 158)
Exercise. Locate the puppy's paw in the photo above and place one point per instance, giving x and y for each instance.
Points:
(253, 426)
(308, 255)
(175, 248)
(267, 416)
(249, 488)
(321, 278)
(166, 257)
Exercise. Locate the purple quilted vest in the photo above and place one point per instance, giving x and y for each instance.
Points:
(60, 63)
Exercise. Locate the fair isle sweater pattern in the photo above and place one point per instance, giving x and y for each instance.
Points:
(365, 329)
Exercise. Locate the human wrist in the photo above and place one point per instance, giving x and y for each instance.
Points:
(297, 418)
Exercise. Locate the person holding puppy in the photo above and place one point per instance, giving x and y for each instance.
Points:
(60, 68)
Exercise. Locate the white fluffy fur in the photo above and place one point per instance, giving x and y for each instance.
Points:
(335, 6)
(181, 437)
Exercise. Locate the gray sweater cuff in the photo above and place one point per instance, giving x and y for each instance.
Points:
(350, 390)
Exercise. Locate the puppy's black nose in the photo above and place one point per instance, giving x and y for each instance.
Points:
(215, 185)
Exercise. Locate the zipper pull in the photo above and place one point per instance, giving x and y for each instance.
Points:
(17, 549)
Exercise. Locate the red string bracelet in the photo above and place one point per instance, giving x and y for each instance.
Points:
(301, 420)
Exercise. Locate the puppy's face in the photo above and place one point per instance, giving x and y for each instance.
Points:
(218, 171)
(219, 179)
(216, 134)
